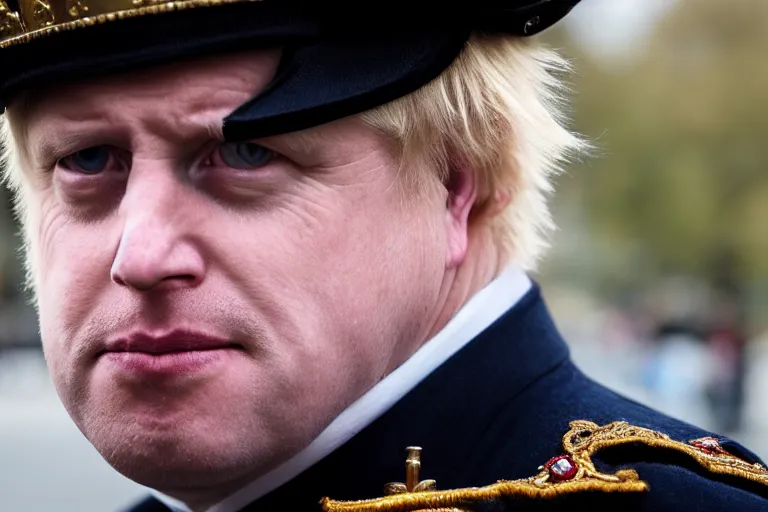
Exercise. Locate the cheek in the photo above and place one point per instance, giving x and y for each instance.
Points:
(366, 230)
(348, 268)
(334, 244)
(72, 262)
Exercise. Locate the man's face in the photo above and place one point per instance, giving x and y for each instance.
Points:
(208, 308)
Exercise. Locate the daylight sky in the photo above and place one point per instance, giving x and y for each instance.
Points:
(613, 28)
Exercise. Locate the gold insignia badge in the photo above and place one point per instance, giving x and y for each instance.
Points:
(571, 472)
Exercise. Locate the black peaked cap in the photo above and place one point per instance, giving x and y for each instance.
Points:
(339, 58)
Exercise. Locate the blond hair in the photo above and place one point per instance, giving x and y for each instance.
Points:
(498, 109)
(12, 151)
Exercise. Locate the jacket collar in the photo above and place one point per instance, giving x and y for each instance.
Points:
(446, 414)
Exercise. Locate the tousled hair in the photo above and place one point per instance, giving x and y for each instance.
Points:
(499, 109)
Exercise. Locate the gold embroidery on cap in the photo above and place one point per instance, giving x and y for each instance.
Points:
(10, 23)
(42, 13)
(76, 8)
(41, 18)
(142, 3)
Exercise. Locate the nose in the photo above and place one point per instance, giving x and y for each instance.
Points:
(157, 248)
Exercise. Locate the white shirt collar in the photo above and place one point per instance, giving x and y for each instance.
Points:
(474, 317)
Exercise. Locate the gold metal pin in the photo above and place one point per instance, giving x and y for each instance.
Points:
(412, 475)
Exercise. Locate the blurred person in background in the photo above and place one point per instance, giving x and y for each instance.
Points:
(680, 389)
(272, 247)
(727, 342)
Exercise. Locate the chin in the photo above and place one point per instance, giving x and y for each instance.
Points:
(174, 463)
(163, 453)
(168, 437)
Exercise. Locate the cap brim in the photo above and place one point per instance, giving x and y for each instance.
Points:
(331, 79)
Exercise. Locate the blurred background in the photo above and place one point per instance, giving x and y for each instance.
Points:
(659, 273)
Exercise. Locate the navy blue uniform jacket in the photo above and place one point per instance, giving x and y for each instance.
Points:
(498, 409)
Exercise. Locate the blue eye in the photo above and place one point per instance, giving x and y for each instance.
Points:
(245, 155)
(88, 161)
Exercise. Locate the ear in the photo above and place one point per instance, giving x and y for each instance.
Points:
(461, 185)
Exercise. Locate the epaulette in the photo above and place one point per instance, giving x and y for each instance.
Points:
(572, 471)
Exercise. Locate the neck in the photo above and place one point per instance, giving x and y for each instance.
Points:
(482, 263)
(480, 266)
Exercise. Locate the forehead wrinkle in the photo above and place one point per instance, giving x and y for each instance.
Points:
(180, 100)
(196, 113)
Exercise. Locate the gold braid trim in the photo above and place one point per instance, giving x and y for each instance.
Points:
(570, 473)
(452, 500)
(586, 438)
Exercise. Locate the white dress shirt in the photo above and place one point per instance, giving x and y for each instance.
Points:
(474, 317)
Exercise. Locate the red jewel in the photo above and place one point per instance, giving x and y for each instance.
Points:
(709, 445)
(561, 468)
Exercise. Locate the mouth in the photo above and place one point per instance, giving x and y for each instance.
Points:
(168, 343)
(173, 353)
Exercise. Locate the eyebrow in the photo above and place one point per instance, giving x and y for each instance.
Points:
(51, 143)
(61, 138)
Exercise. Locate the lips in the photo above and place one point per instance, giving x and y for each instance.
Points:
(167, 357)
(167, 343)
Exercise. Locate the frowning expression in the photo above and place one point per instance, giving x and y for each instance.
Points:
(208, 307)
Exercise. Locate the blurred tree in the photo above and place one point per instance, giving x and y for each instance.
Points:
(682, 177)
